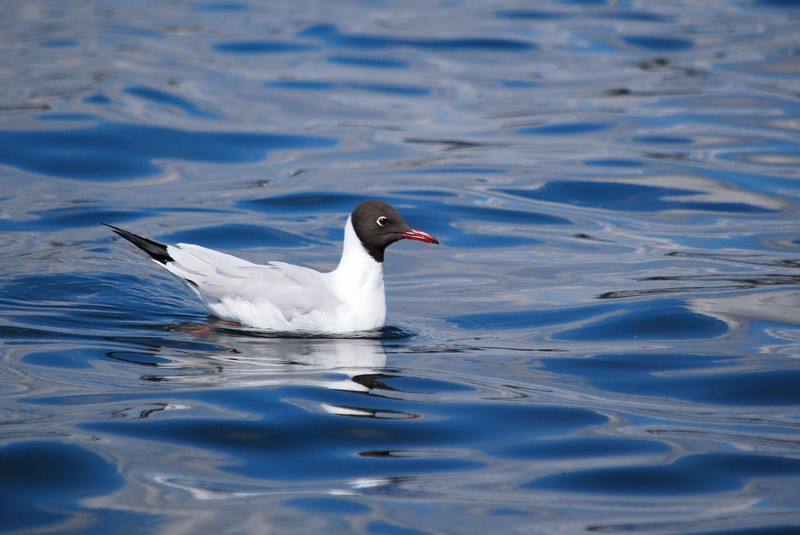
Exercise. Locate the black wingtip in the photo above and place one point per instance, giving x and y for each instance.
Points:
(157, 251)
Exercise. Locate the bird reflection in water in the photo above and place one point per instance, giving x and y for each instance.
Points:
(224, 355)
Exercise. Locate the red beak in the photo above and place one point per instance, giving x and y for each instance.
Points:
(418, 235)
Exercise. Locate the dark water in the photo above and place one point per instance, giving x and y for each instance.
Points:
(608, 339)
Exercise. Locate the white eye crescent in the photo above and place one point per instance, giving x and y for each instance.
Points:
(382, 221)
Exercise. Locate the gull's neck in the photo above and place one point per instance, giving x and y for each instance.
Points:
(356, 263)
(357, 271)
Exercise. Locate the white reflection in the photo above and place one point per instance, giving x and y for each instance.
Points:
(225, 358)
(776, 309)
(252, 361)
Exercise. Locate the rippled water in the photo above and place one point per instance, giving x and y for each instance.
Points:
(606, 341)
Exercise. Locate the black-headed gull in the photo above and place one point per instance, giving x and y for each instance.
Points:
(286, 298)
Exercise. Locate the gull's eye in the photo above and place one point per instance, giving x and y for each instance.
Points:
(382, 221)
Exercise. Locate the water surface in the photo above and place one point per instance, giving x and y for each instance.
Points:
(607, 339)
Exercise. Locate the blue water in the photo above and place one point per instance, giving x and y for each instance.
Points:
(607, 340)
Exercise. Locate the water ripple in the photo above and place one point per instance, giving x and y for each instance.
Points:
(262, 47)
(629, 197)
(693, 474)
(331, 35)
(53, 481)
(168, 100)
(102, 152)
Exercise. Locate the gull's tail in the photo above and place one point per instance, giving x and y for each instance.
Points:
(157, 251)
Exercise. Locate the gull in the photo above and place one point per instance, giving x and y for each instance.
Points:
(287, 298)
